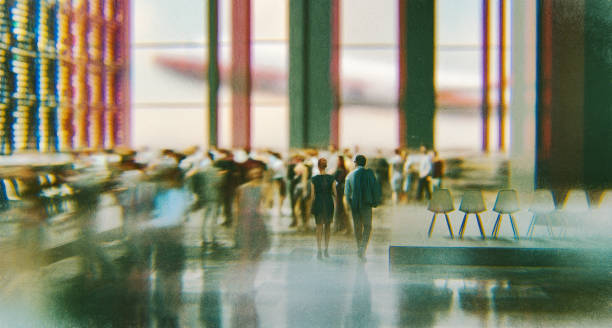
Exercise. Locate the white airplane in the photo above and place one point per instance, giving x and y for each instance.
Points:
(363, 82)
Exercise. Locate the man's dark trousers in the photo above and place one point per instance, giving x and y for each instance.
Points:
(362, 221)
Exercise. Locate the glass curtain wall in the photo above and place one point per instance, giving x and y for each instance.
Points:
(168, 73)
(269, 74)
(270, 64)
(169, 78)
(458, 79)
(368, 74)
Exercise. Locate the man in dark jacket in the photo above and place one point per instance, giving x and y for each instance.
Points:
(362, 192)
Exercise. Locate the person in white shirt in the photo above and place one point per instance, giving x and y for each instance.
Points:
(424, 170)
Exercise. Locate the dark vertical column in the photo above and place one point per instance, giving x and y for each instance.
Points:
(597, 95)
(416, 62)
(241, 73)
(335, 74)
(560, 94)
(502, 107)
(319, 90)
(485, 106)
(298, 72)
(213, 72)
(311, 96)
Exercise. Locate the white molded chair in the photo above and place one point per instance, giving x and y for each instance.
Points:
(472, 203)
(506, 203)
(542, 206)
(441, 202)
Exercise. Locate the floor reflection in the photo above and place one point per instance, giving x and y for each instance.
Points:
(421, 304)
(316, 294)
(160, 279)
(360, 314)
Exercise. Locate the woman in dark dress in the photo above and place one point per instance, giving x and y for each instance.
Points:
(323, 205)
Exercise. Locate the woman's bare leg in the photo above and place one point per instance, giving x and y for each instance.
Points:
(327, 235)
(319, 237)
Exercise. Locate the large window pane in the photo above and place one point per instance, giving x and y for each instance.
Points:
(269, 19)
(458, 22)
(458, 129)
(270, 73)
(458, 69)
(269, 127)
(155, 21)
(380, 123)
(168, 75)
(369, 22)
(369, 76)
(158, 127)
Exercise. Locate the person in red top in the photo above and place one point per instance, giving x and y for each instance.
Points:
(437, 171)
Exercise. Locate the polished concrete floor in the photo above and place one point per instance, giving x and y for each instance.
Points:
(289, 286)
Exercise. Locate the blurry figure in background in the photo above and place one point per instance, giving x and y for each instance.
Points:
(380, 166)
(89, 185)
(362, 192)
(167, 158)
(277, 167)
(204, 180)
(193, 156)
(251, 233)
(418, 166)
(330, 154)
(324, 188)
(312, 156)
(170, 208)
(424, 174)
(348, 159)
(129, 192)
(397, 175)
(437, 171)
(411, 174)
(246, 162)
(252, 240)
(341, 215)
(303, 193)
(230, 181)
(293, 180)
(30, 211)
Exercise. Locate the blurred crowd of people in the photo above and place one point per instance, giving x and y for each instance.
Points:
(158, 191)
(209, 182)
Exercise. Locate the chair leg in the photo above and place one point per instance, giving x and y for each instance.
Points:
(498, 225)
(462, 229)
(431, 225)
(514, 228)
(480, 227)
(531, 226)
(450, 228)
(495, 227)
